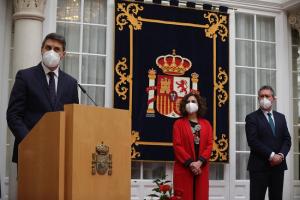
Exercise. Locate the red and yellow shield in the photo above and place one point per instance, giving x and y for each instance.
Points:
(171, 86)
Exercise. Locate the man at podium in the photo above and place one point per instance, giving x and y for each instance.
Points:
(40, 89)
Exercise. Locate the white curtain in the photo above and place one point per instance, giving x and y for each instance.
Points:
(83, 23)
(296, 100)
(255, 66)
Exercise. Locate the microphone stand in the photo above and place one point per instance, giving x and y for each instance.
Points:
(84, 91)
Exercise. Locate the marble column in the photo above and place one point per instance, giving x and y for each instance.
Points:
(28, 29)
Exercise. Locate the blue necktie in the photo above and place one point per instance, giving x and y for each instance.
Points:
(271, 122)
(52, 92)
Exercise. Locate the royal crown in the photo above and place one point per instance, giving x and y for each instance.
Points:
(102, 149)
(173, 64)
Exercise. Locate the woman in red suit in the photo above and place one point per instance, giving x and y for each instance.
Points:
(192, 142)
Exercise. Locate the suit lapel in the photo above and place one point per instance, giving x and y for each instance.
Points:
(276, 122)
(44, 84)
(265, 121)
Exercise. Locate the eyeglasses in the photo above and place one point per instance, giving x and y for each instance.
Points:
(191, 101)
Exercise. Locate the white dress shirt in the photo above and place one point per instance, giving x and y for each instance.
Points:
(56, 73)
(267, 116)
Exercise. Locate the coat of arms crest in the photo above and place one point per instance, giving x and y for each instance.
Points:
(171, 85)
(101, 160)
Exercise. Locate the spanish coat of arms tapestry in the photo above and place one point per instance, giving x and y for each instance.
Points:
(163, 52)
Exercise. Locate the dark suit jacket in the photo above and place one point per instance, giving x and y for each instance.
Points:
(29, 100)
(262, 142)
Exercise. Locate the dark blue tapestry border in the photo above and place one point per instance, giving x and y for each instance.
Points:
(162, 53)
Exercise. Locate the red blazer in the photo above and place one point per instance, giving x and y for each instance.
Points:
(184, 150)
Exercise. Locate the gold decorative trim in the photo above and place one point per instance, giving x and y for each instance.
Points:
(135, 136)
(131, 66)
(222, 80)
(173, 23)
(152, 74)
(220, 148)
(217, 25)
(135, 141)
(150, 111)
(128, 15)
(195, 77)
(168, 144)
(124, 79)
(215, 89)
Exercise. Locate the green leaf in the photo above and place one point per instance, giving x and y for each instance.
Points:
(153, 195)
(156, 181)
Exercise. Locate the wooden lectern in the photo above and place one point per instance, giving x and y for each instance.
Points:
(55, 158)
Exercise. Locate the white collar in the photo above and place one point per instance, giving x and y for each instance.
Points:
(47, 70)
(266, 112)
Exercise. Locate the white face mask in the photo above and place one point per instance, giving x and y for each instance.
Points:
(265, 103)
(191, 107)
(51, 59)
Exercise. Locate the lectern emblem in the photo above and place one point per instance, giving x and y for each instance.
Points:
(101, 160)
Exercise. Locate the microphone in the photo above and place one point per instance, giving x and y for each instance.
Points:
(84, 91)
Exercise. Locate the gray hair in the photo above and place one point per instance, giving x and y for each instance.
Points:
(266, 87)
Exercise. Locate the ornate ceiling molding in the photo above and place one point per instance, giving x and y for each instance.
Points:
(29, 9)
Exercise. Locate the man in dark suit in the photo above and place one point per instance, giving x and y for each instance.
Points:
(40, 89)
(269, 141)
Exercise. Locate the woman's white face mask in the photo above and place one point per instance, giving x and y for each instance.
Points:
(191, 107)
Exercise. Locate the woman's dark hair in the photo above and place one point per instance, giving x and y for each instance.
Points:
(202, 106)
(54, 36)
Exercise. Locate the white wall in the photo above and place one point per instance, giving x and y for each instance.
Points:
(5, 38)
